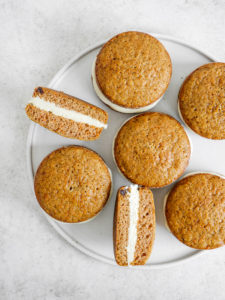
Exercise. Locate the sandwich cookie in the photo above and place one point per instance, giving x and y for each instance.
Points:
(134, 225)
(167, 194)
(66, 115)
(72, 184)
(195, 212)
(132, 72)
(201, 101)
(152, 149)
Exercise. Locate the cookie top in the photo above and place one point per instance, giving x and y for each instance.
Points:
(152, 149)
(133, 69)
(72, 184)
(202, 101)
(195, 211)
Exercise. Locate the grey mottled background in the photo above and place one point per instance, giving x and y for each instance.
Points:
(37, 39)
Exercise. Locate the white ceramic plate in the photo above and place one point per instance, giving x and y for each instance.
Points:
(95, 238)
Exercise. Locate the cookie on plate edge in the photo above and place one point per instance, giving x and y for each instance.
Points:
(201, 101)
(195, 213)
(66, 115)
(73, 184)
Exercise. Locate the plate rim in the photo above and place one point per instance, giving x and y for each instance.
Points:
(32, 128)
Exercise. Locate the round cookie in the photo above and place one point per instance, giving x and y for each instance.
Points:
(201, 101)
(195, 211)
(152, 149)
(72, 184)
(132, 72)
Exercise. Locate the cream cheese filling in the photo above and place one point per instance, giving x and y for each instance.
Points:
(66, 113)
(113, 105)
(133, 216)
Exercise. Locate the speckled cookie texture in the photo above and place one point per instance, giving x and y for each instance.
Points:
(152, 149)
(145, 226)
(133, 69)
(64, 126)
(202, 101)
(72, 184)
(195, 211)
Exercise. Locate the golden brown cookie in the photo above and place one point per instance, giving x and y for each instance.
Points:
(132, 71)
(72, 184)
(202, 101)
(66, 115)
(195, 211)
(152, 149)
(134, 225)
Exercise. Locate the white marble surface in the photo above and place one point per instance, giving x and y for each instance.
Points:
(38, 38)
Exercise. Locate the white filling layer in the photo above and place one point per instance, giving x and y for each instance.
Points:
(132, 231)
(166, 197)
(113, 105)
(66, 113)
